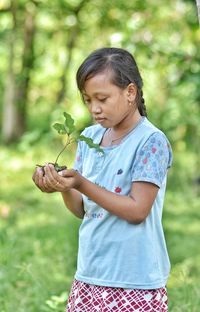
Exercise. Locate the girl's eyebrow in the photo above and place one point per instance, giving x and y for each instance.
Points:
(95, 94)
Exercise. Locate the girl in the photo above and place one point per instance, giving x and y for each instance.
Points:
(123, 263)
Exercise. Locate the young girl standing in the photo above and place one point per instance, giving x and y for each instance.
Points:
(123, 263)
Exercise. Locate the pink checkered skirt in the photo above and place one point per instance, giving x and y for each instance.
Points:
(92, 298)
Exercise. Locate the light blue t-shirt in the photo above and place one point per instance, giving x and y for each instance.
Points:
(112, 251)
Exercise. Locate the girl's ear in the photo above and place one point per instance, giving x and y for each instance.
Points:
(131, 92)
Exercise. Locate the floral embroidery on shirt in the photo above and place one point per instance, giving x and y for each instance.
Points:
(145, 160)
(120, 171)
(152, 160)
(118, 189)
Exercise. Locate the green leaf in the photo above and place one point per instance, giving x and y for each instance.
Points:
(60, 128)
(69, 123)
(90, 143)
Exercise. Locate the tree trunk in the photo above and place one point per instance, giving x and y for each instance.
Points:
(27, 66)
(70, 44)
(16, 86)
(9, 108)
(198, 9)
(69, 49)
(9, 123)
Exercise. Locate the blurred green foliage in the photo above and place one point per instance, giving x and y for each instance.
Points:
(163, 37)
(38, 237)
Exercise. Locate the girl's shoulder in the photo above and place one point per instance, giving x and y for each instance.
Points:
(152, 131)
(155, 141)
(149, 126)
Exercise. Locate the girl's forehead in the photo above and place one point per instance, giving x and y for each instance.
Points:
(99, 81)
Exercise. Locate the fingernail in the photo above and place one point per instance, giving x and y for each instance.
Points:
(60, 173)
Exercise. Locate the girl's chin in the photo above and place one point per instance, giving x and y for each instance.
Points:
(103, 122)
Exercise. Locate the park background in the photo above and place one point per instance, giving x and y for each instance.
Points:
(42, 43)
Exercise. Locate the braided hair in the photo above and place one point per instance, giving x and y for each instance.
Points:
(123, 67)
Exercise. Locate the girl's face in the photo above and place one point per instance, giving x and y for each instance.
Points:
(108, 104)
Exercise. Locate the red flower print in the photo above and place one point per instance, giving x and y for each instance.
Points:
(154, 150)
(145, 160)
(118, 189)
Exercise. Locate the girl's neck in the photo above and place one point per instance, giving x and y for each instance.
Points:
(114, 135)
(126, 124)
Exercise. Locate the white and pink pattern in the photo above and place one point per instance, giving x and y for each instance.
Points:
(91, 298)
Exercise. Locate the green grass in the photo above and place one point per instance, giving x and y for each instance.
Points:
(182, 229)
(38, 241)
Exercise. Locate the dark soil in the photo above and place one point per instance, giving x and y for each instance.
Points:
(56, 166)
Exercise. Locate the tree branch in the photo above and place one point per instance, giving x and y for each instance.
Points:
(70, 44)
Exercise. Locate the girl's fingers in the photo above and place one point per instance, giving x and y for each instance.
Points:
(52, 177)
(41, 182)
(71, 177)
(67, 173)
(40, 178)
(34, 175)
(47, 188)
(37, 176)
(50, 180)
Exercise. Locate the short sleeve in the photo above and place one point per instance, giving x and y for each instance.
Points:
(152, 160)
(78, 159)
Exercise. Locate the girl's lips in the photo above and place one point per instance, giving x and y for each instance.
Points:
(99, 119)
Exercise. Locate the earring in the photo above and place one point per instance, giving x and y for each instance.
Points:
(129, 102)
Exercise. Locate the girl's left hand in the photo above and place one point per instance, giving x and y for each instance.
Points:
(61, 181)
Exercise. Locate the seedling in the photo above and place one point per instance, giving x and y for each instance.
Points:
(68, 128)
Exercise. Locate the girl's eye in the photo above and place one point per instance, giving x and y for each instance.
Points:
(87, 101)
(103, 99)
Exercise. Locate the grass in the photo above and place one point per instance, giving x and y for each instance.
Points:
(38, 241)
(182, 229)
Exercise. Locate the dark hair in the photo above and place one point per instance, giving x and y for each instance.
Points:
(123, 66)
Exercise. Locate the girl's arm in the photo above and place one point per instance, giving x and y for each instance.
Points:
(73, 201)
(133, 208)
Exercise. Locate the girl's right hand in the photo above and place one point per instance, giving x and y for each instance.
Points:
(40, 181)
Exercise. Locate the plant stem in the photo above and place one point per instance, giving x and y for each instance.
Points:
(67, 143)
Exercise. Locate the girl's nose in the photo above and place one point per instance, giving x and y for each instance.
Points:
(95, 108)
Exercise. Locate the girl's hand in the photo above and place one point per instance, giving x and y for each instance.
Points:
(62, 181)
(40, 181)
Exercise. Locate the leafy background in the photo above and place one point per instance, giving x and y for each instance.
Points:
(42, 45)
